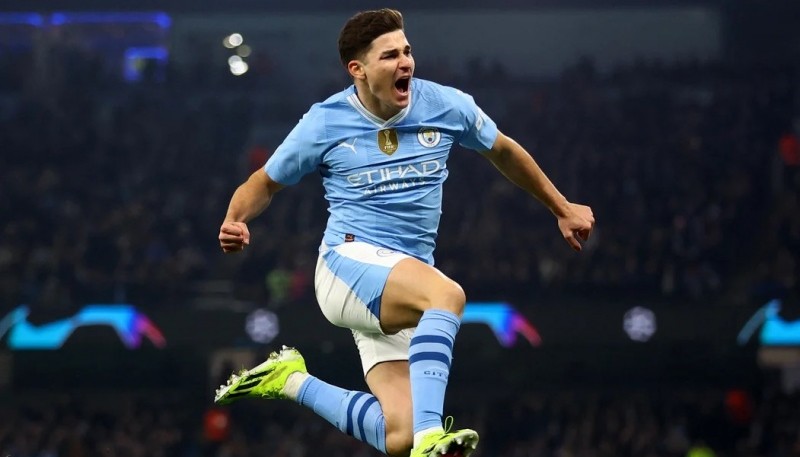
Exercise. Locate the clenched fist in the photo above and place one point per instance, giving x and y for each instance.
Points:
(233, 236)
(576, 225)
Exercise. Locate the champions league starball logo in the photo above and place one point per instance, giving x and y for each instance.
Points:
(130, 325)
(506, 322)
(775, 330)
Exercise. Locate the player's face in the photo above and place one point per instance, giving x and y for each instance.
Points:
(388, 67)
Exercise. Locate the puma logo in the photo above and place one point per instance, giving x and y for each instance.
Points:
(351, 146)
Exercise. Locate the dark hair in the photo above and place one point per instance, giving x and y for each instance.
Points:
(358, 32)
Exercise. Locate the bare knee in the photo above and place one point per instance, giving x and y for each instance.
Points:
(450, 297)
(414, 287)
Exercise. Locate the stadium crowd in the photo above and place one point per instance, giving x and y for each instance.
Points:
(696, 423)
(111, 191)
(115, 191)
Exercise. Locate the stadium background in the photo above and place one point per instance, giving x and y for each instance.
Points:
(126, 127)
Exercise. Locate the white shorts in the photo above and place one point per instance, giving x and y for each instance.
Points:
(349, 282)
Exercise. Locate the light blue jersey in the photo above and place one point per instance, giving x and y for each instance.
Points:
(383, 179)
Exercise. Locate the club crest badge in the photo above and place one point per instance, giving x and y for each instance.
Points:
(429, 137)
(387, 141)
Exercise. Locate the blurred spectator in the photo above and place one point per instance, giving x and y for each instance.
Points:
(789, 147)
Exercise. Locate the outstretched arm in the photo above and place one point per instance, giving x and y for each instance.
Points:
(249, 200)
(574, 221)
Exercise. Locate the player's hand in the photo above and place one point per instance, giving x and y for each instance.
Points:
(233, 236)
(576, 224)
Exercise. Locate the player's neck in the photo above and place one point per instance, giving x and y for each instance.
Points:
(374, 105)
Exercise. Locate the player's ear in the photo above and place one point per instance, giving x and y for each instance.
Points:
(356, 69)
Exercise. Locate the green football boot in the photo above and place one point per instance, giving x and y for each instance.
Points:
(460, 443)
(265, 380)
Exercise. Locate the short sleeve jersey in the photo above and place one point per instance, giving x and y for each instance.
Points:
(383, 178)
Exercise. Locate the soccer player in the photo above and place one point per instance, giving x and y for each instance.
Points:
(381, 146)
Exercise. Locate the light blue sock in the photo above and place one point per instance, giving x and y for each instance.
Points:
(356, 413)
(429, 359)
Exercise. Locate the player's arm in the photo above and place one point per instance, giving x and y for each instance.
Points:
(249, 200)
(299, 154)
(517, 165)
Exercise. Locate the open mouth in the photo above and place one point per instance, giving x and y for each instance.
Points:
(402, 85)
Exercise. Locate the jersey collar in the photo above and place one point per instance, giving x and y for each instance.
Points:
(356, 103)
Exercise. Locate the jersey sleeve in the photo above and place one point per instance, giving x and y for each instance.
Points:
(479, 130)
(301, 152)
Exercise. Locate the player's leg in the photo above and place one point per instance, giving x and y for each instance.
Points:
(348, 280)
(414, 287)
(349, 283)
(284, 376)
(383, 418)
(389, 382)
(384, 359)
(416, 294)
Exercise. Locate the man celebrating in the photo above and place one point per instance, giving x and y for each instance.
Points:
(381, 146)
